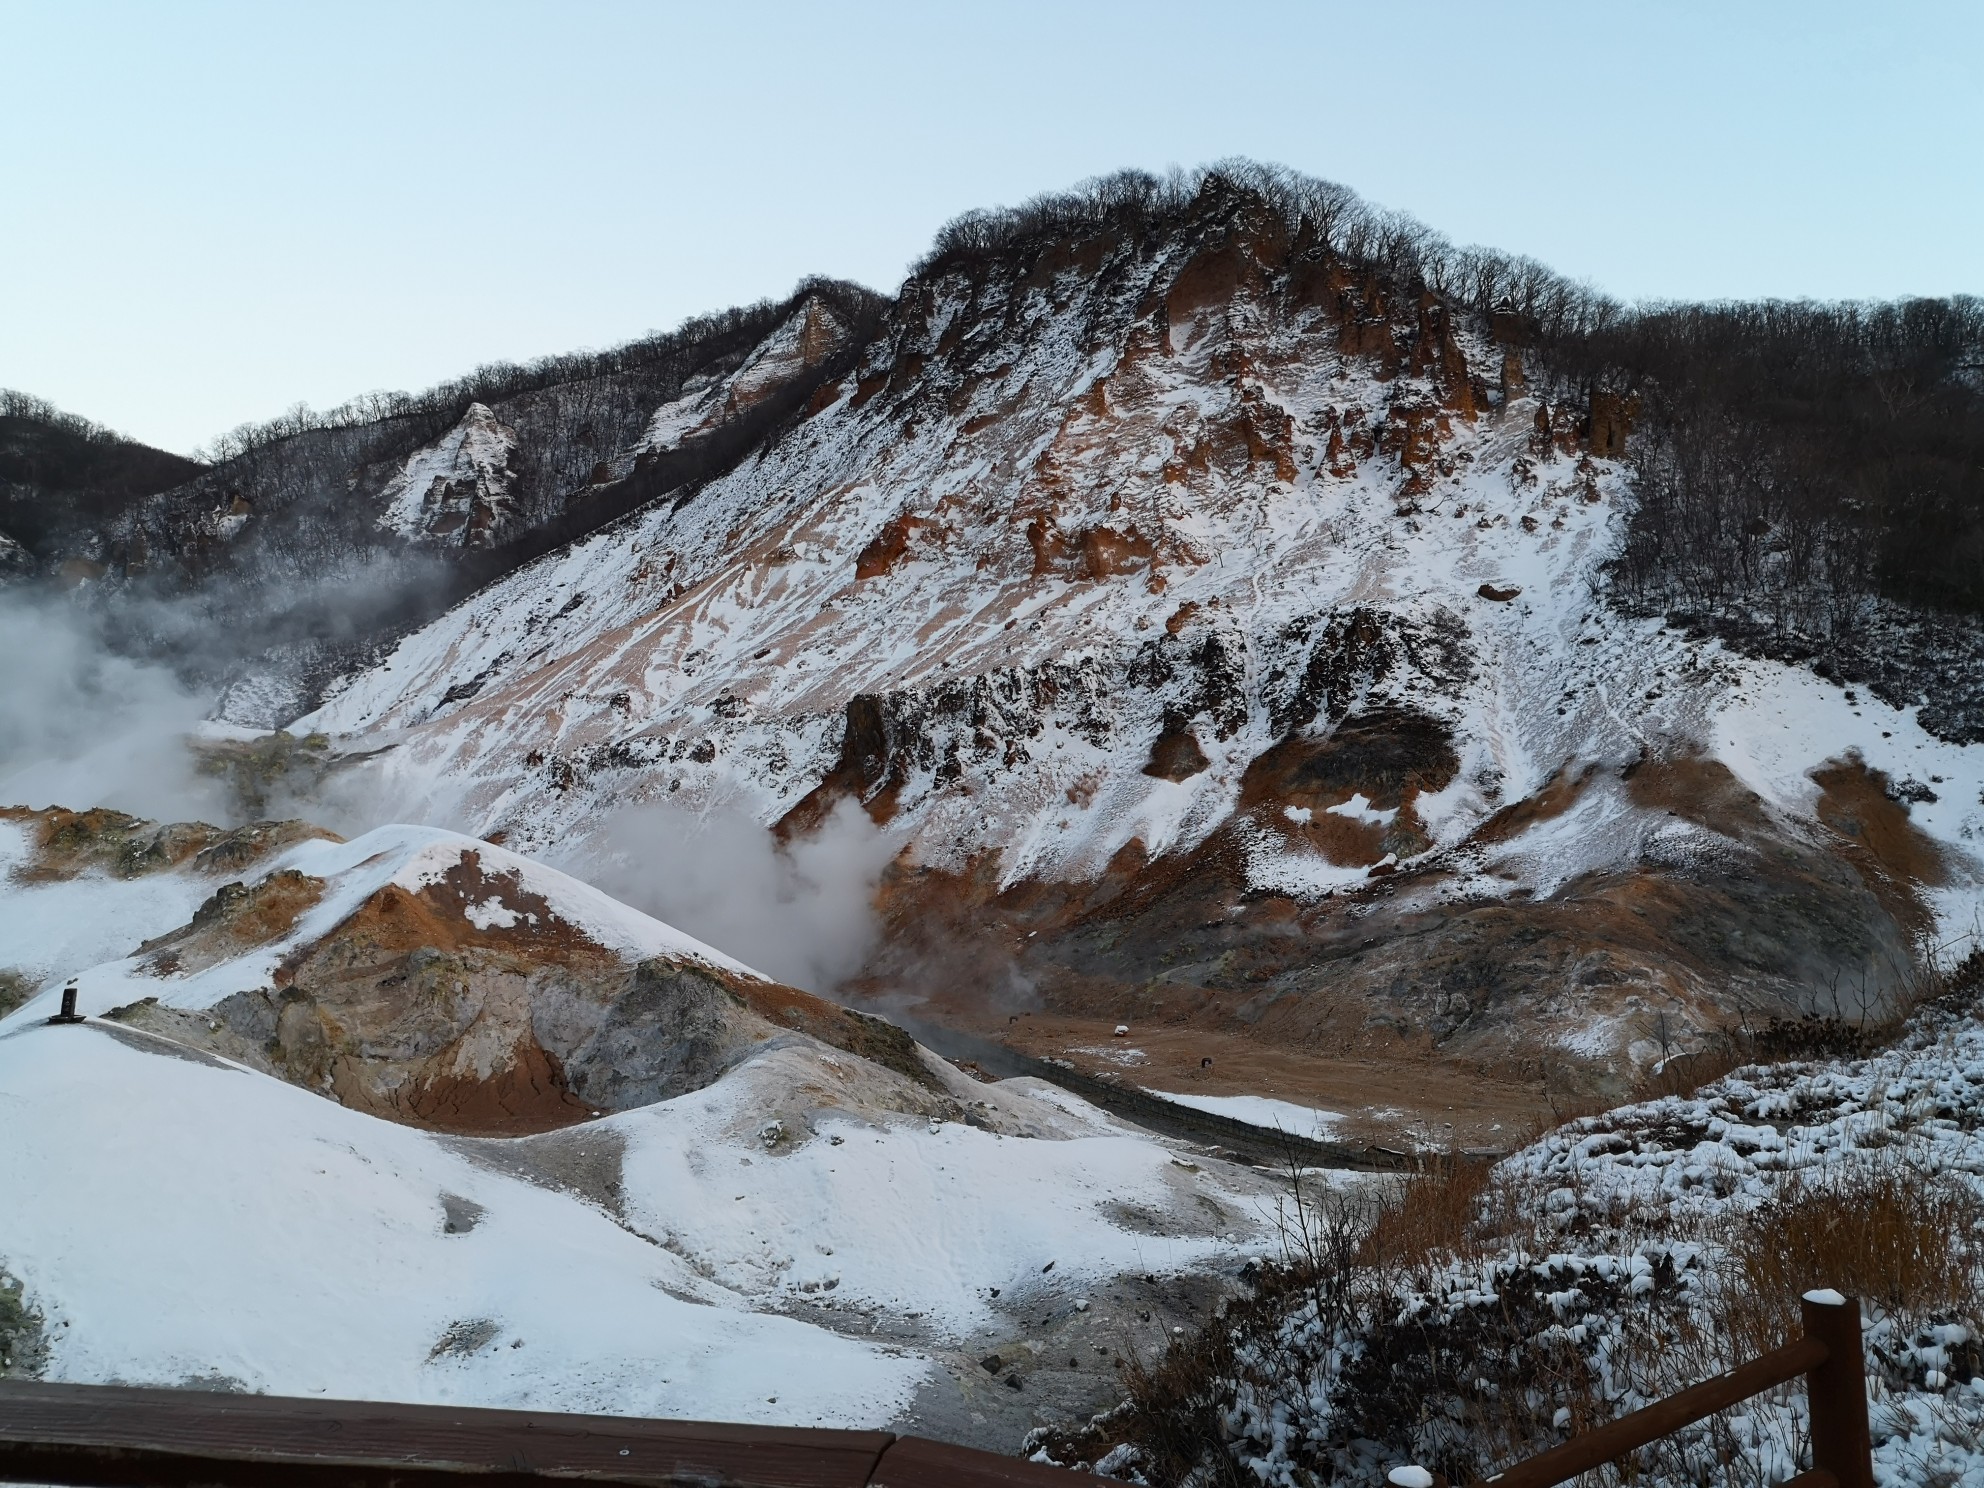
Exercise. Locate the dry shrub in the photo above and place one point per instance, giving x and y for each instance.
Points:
(1434, 1213)
(1898, 1239)
(1174, 1407)
(1685, 1074)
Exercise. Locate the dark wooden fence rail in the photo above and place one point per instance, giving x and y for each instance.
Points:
(108, 1436)
(1835, 1381)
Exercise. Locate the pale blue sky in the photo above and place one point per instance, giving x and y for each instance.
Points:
(210, 211)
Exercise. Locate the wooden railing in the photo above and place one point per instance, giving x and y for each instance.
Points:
(108, 1436)
(1829, 1357)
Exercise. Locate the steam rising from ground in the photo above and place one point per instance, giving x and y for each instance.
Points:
(801, 913)
(83, 726)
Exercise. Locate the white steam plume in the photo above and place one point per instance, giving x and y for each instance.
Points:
(802, 913)
(81, 726)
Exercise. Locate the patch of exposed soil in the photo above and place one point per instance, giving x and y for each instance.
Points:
(1383, 1099)
(1891, 854)
(234, 919)
(1556, 796)
(1385, 755)
(70, 843)
(1402, 997)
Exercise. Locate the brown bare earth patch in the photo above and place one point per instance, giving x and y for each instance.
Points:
(526, 1094)
(69, 843)
(1385, 755)
(1106, 551)
(1893, 855)
(886, 551)
(1175, 754)
(234, 919)
(1390, 1101)
(1557, 795)
(1697, 789)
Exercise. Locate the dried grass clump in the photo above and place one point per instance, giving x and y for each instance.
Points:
(1902, 1241)
(1437, 1212)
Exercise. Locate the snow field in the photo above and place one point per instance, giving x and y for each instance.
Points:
(175, 1218)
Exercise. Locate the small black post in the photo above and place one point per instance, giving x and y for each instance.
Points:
(68, 1013)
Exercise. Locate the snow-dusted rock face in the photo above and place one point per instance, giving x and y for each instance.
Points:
(431, 978)
(15, 560)
(1234, 623)
(459, 489)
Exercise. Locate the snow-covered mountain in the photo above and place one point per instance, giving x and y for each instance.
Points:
(1221, 636)
(1209, 607)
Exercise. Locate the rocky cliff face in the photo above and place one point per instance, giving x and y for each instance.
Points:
(1217, 628)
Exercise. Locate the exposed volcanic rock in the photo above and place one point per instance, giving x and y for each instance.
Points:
(459, 489)
(446, 983)
(67, 843)
(1219, 617)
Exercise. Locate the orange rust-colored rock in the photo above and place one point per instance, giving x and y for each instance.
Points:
(887, 549)
(1608, 422)
(1107, 551)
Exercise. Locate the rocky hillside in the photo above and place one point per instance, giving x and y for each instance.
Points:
(1242, 615)
(64, 479)
(1214, 618)
(313, 538)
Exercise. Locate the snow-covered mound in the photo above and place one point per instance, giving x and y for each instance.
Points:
(444, 980)
(213, 1226)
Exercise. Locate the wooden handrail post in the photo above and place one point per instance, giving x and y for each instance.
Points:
(1837, 1390)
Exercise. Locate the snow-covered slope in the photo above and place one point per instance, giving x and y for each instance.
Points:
(415, 1117)
(459, 488)
(1113, 558)
(211, 1225)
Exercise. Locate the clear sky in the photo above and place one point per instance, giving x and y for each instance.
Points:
(211, 211)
